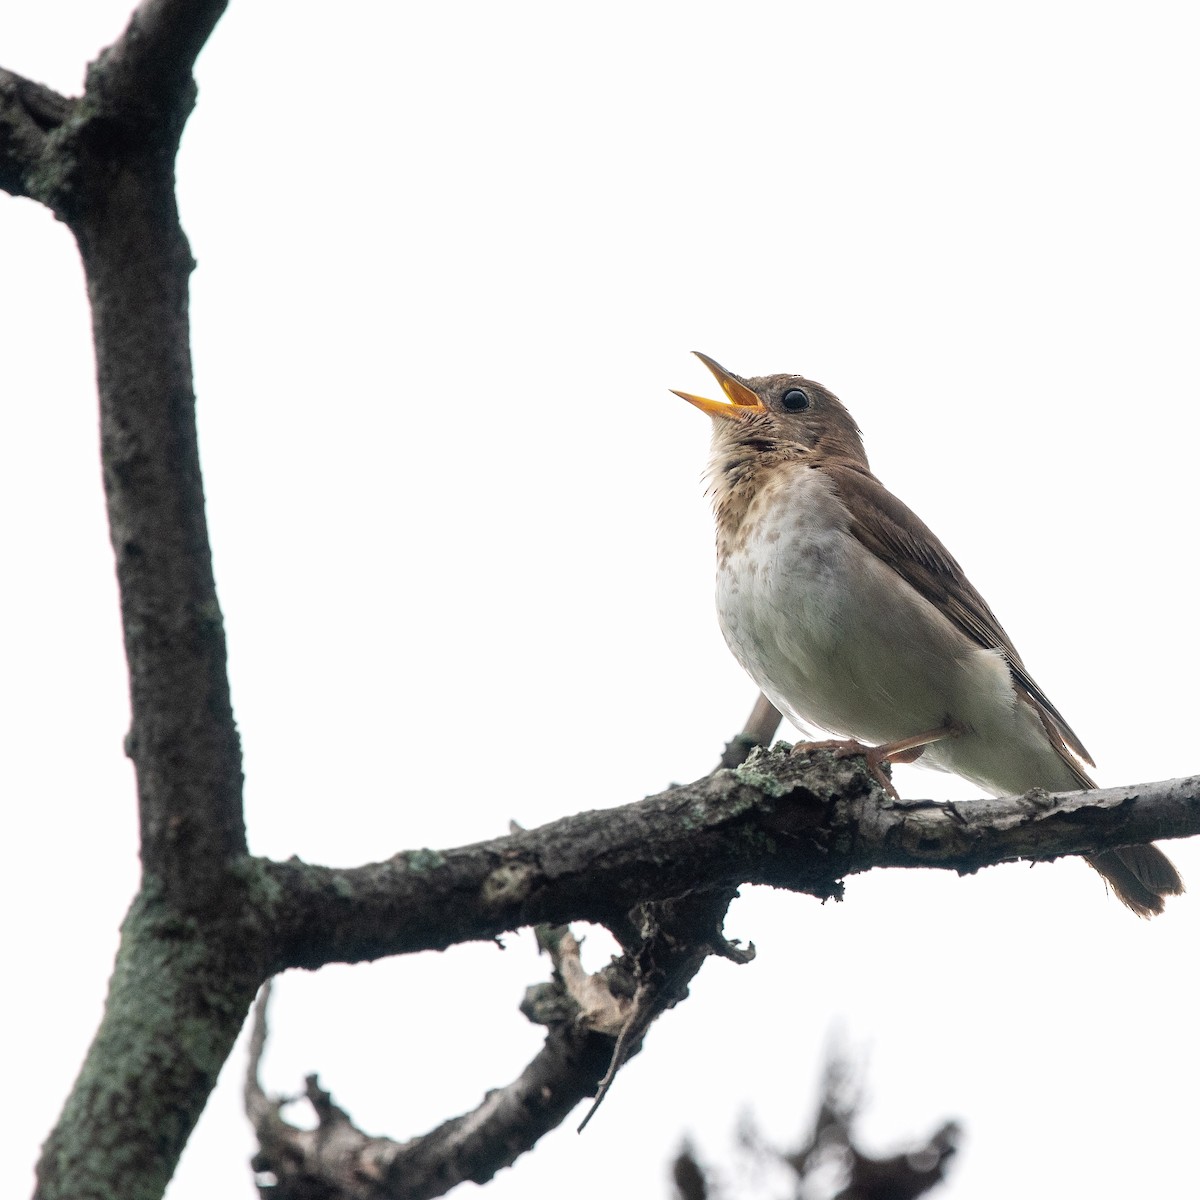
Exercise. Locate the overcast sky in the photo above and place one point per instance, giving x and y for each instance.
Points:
(451, 258)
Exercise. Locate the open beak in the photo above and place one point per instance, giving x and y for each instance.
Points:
(742, 401)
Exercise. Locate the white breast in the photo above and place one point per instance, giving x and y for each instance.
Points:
(836, 638)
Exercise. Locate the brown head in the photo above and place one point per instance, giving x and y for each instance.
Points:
(778, 416)
(771, 426)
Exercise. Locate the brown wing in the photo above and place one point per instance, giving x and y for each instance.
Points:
(898, 537)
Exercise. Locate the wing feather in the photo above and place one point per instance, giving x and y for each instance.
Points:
(898, 537)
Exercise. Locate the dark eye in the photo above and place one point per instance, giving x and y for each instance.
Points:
(795, 400)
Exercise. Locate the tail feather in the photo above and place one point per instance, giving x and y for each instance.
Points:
(1140, 876)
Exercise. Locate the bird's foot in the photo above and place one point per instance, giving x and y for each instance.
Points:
(877, 761)
(879, 758)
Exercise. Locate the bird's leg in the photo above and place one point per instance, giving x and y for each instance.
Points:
(903, 750)
(760, 729)
(909, 749)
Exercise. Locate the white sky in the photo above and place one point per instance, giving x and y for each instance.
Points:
(451, 258)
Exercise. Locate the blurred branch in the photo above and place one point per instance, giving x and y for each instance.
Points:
(832, 1149)
(829, 1163)
(688, 1175)
(902, 1176)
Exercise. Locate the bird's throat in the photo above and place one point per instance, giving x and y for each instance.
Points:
(743, 464)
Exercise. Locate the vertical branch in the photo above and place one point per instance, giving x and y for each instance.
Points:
(175, 1005)
(121, 207)
(191, 955)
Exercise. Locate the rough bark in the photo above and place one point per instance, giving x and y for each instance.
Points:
(800, 821)
(104, 163)
(804, 822)
(175, 1004)
(121, 207)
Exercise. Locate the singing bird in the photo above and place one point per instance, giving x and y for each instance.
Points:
(849, 614)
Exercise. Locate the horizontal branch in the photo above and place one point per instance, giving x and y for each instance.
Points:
(802, 822)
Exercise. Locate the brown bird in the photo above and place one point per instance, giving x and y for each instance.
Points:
(849, 614)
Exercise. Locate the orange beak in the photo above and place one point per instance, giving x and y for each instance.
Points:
(742, 401)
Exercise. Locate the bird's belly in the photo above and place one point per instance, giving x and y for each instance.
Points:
(837, 639)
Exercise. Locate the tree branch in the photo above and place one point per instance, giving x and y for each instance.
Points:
(138, 97)
(799, 821)
(832, 1147)
(115, 158)
(105, 165)
(175, 1005)
(148, 69)
(29, 113)
(336, 1161)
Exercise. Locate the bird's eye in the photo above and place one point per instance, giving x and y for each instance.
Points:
(795, 400)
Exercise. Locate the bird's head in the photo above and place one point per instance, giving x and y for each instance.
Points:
(778, 414)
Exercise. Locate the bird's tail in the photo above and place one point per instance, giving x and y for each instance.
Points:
(1140, 876)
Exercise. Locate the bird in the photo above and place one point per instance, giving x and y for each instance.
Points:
(849, 614)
